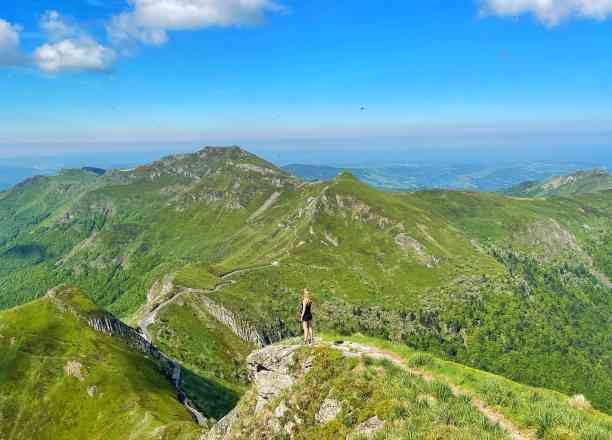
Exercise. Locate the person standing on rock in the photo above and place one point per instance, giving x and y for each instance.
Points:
(306, 316)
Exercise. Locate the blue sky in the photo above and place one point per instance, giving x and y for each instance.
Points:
(115, 74)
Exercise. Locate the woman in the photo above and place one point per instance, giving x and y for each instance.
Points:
(306, 316)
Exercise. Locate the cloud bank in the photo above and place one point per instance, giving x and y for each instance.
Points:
(148, 21)
(549, 12)
(10, 54)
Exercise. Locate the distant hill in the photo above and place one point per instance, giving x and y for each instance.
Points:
(519, 287)
(313, 172)
(419, 176)
(577, 183)
(10, 175)
(98, 171)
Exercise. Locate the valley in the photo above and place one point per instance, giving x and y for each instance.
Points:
(207, 253)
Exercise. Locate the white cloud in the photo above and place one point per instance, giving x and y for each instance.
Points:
(124, 28)
(149, 20)
(549, 12)
(69, 48)
(74, 54)
(9, 44)
(56, 27)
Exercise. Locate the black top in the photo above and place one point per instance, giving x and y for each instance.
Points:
(307, 315)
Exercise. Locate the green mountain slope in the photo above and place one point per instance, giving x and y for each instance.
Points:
(577, 183)
(518, 287)
(60, 379)
(365, 388)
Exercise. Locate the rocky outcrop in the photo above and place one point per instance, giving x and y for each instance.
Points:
(367, 429)
(409, 244)
(111, 326)
(270, 370)
(238, 325)
(330, 408)
(260, 336)
(223, 428)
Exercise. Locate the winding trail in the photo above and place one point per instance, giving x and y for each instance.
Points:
(150, 317)
(492, 415)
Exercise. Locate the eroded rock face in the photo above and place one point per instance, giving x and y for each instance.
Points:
(409, 244)
(270, 371)
(270, 410)
(551, 236)
(223, 428)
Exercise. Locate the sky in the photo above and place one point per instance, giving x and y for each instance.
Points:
(117, 75)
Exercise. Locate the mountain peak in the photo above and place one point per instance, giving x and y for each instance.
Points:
(206, 161)
(223, 150)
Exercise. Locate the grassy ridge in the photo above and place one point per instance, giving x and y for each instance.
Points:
(563, 186)
(550, 415)
(408, 406)
(59, 379)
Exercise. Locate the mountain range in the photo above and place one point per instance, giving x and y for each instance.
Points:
(577, 183)
(501, 176)
(203, 256)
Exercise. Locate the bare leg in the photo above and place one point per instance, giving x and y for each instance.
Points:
(310, 337)
(305, 325)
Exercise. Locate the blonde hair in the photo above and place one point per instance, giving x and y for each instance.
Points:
(306, 295)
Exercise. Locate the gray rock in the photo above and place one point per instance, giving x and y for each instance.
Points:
(279, 413)
(329, 411)
(281, 410)
(367, 429)
(223, 428)
(270, 371)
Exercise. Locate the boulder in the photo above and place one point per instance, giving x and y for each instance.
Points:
(270, 371)
(367, 429)
(329, 411)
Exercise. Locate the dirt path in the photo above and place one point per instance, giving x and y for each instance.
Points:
(496, 418)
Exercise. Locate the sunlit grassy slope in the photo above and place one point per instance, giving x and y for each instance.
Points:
(59, 379)
(519, 287)
(578, 183)
(542, 412)
(412, 395)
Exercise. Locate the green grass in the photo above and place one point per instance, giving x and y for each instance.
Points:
(38, 399)
(408, 406)
(547, 413)
(197, 276)
(578, 183)
(204, 346)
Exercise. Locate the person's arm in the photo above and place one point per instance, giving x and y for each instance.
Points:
(303, 310)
